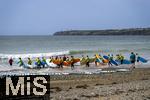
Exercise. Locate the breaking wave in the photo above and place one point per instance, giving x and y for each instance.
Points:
(33, 55)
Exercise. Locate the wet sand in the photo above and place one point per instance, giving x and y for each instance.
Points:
(131, 85)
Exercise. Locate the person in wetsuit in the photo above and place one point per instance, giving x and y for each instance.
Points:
(133, 59)
(10, 61)
(87, 61)
(72, 62)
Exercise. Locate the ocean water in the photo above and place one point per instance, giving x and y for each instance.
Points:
(47, 44)
(38, 46)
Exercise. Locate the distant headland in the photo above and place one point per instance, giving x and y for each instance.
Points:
(130, 31)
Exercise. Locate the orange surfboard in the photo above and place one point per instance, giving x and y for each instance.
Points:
(66, 63)
(105, 61)
(76, 60)
(56, 61)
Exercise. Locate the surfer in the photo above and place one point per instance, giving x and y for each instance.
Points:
(52, 59)
(61, 62)
(137, 57)
(10, 61)
(118, 57)
(72, 62)
(87, 61)
(64, 58)
(20, 62)
(121, 58)
(29, 61)
(67, 59)
(38, 62)
(109, 60)
(56, 60)
(96, 60)
(133, 59)
(43, 62)
(83, 58)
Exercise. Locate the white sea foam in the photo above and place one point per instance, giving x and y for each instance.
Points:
(8, 68)
(34, 55)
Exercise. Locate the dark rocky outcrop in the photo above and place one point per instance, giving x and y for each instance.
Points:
(131, 31)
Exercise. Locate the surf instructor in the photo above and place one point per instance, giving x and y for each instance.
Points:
(132, 59)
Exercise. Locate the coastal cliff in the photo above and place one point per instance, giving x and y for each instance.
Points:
(131, 31)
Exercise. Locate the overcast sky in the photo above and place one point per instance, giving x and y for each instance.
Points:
(37, 17)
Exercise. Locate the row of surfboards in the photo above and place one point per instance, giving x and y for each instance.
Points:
(77, 61)
(125, 61)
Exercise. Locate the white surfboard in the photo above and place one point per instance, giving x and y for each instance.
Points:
(50, 64)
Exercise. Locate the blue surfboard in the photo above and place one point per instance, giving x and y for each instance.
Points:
(37, 64)
(112, 61)
(99, 60)
(43, 63)
(142, 59)
(106, 57)
(125, 61)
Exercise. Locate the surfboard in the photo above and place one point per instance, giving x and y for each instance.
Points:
(36, 63)
(77, 64)
(92, 60)
(56, 61)
(82, 62)
(43, 63)
(29, 66)
(76, 60)
(99, 60)
(105, 61)
(112, 61)
(105, 57)
(125, 61)
(50, 64)
(66, 63)
(141, 59)
(97, 56)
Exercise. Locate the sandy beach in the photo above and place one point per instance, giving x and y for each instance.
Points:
(110, 83)
(130, 85)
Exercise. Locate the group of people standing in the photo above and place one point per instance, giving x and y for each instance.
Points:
(42, 62)
(120, 58)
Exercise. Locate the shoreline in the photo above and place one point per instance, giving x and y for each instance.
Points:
(112, 86)
(126, 85)
(78, 70)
